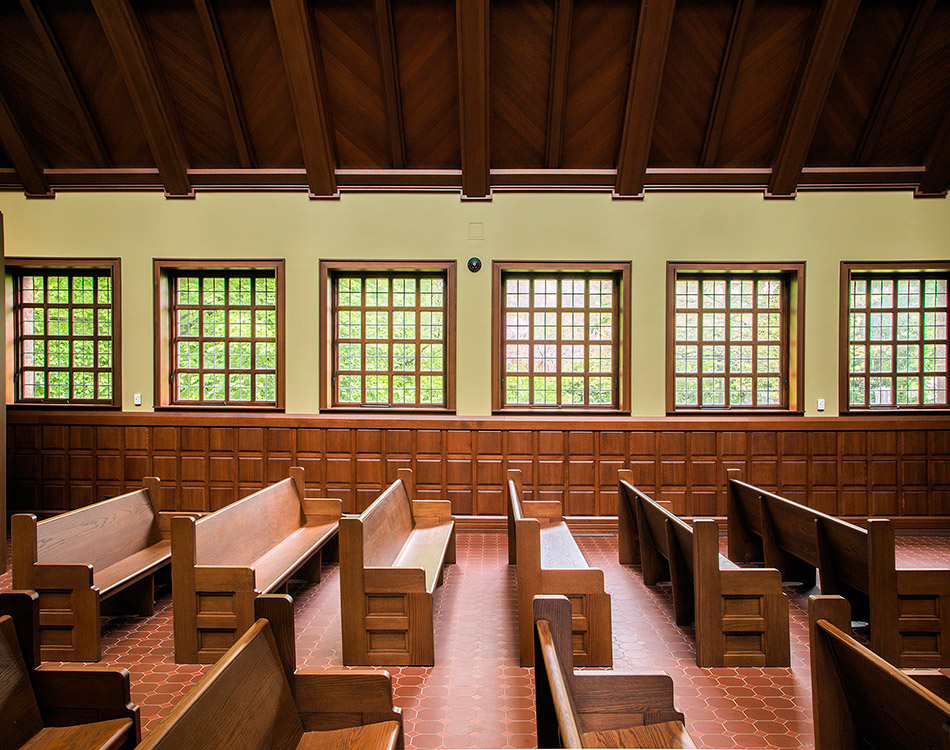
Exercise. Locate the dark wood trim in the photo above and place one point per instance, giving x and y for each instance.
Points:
(557, 85)
(142, 75)
(474, 105)
(389, 65)
(646, 75)
(23, 153)
(303, 64)
(229, 91)
(936, 179)
(727, 81)
(71, 91)
(893, 79)
(831, 34)
(3, 414)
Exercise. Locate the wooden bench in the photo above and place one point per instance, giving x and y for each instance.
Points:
(548, 561)
(222, 561)
(56, 707)
(99, 559)
(908, 609)
(392, 558)
(597, 708)
(254, 697)
(741, 614)
(861, 700)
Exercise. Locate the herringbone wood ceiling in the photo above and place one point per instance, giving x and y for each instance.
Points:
(475, 95)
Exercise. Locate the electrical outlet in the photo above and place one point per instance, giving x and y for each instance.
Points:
(821, 404)
(137, 399)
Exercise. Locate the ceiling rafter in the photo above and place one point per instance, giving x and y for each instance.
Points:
(229, 92)
(727, 81)
(388, 62)
(936, 179)
(472, 32)
(557, 87)
(304, 66)
(22, 152)
(831, 34)
(136, 62)
(646, 75)
(881, 108)
(71, 91)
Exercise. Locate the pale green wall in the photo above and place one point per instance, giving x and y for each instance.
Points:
(819, 228)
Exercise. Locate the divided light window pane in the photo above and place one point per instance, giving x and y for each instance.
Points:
(64, 340)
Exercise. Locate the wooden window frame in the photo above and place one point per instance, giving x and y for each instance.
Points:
(329, 269)
(793, 289)
(166, 269)
(887, 269)
(17, 267)
(621, 271)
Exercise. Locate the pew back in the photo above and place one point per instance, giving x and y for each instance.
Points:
(21, 714)
(387, 523)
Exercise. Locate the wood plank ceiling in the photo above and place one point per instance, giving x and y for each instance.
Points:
(474, 95)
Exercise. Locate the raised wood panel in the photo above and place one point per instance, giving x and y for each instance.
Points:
(888, 466)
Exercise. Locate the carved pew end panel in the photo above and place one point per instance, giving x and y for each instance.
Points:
(390, 638)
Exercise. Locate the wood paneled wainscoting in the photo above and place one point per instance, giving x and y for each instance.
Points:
(851, 466)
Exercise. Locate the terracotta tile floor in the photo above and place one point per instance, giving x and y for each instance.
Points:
(478, 696)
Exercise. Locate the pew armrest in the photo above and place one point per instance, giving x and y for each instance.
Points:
(439, 509)
(62, 576)
(322, 508)
(338, 691)
(544, 510)
(624, 693)
(383, 580)
(73, 694)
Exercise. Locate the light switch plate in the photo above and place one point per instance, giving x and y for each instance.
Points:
(821, 404)
(137, 399)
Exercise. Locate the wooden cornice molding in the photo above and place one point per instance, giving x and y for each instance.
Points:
(831, 34)
(646, 75)
(936, 179)
(557, 86)
(23, 153)
(225, 76)
(304, 65)
(64, 73)
(472, 34)
(727, 81)
(892, 81)
(389, 65)
(136, 62)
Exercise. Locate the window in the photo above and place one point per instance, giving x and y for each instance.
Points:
(389, 335)
(66, 331)
(220, 341)
(894, 336)
(734, 335)
(560, 336)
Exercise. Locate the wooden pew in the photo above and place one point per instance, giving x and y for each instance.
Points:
(392, 558)
(99, 559)
(47, 707)
(597, 708)
(254, 697)
(861, 700)
(741, 614)
(908, 609)
(549, 561)
(222, 561)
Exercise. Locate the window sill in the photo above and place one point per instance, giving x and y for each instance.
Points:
(217, 408)
(894, 411)
(558, 411)
(735, 412)
(67, 405)
(387, 410)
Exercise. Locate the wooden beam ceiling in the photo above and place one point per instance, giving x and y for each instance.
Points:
(646, 74)
(136, 61)
(831, 34)
(304, 66)
(936, 179)
(557, 88)
(388, 63)
(472, 34)
(22, 152)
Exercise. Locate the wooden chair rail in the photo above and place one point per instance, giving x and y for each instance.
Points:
(741, 614)
(549, 561)
(392, 559)
(101, 558)
(908, 609)
(222, 561)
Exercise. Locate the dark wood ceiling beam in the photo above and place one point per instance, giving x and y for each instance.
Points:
(646, 75)
(892, 81)
(22, 152)
(472, 32)
(136, 62)
(831, 34)
(229, 93)
(71, 91)
(557, 87)
(936, 179)
(388, 63)
(304, 66)
(727, 81)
